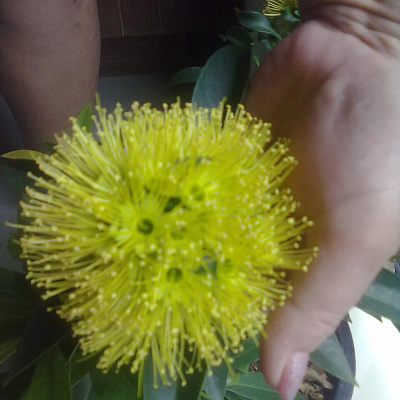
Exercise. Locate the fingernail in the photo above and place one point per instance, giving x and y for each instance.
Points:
(293, 375)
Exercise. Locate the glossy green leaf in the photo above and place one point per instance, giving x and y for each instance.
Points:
(225, 75)
(252, 386)
(153, 388)
(330, 357)
(255, 21)
(30, 155)
(193, 387)
(260, 50)
(215, 385)
(185, 75)
(50, 380)
(43, 331)
(233, 396)
(288, 16)
(81, 391)
(383, 297)
(238, 35)
(15, 171)
(8, 348)
(79, 366)
(84, 118)
(243, 359)
(112, 386)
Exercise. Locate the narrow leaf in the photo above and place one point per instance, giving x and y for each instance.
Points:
(185, 75)
(50, 380)
(79, 366)
(8, 348)
(225, 75)
(43, 331)
(193, 387)
(330, 357)
(253, 386)
(15, 171)
(215, 385)
(233, 396)
(112, 386)
(247, 356)
(82, 389)
(153, 389)
(84, 118)
(255, 21)
(238, 35)
(30, 155)
(383, 297)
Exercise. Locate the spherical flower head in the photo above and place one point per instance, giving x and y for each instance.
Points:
(274, 8)
(169, 234)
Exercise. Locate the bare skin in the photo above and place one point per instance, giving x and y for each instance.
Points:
(49, 62)
(333, 87)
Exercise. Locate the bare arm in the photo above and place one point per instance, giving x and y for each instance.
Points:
(49, 60)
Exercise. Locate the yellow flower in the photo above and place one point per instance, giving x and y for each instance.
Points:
(170, 231)
(275, 7)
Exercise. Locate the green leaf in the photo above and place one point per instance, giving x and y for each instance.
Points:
(255, 21)
(153, 389)
(225, 75)
(215, 385)
(247, 356)
(8, 348)
(50, 380)
(84, 118)
(238, 35)
(330, 357)
(193, 387)
(15, 171)
(113, 385)
(80, 366)
(185, 75)
(30, 155)
(252, 386)
(82, 389)
(260, 50)
(160, 392)
(288, 16)
(43, 331)
(383, 297)
(233, 396)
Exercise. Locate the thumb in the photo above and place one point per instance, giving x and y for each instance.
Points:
(321, 298)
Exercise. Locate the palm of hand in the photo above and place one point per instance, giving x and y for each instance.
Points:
(337, 99)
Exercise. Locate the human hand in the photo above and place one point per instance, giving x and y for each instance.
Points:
(333, 88)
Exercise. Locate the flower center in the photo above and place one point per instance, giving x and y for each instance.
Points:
(145, 226)
(174, 275)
